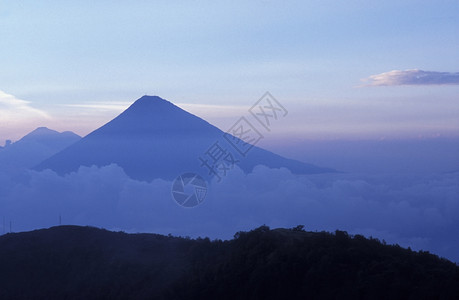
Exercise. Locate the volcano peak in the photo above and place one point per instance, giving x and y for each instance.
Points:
(154, 138)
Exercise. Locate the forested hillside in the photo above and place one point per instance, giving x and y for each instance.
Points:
(71, 262)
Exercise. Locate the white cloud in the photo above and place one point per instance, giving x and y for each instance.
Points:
(212, 110)
(413, 77)
(12, 107)
(421, 212)
(17, 117)
(103, 106)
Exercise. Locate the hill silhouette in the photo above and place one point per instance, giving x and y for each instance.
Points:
(71, 262)
(153, 138)
(34, 147)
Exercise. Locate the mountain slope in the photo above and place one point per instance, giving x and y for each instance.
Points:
(71, 262)
(34, 147)
(155, 139)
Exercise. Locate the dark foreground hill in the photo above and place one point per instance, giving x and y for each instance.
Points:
(70, 262)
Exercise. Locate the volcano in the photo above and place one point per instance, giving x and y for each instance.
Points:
(154, 138)
(34, 147)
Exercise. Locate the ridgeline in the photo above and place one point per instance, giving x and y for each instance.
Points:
(72, 262)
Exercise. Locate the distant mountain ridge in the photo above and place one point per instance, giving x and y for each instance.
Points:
(153, 138)
(34, 147)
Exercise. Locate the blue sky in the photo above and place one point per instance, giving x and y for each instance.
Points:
(78, 64)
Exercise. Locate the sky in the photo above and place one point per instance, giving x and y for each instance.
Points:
(344, 70)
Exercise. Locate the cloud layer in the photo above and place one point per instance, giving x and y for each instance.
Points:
(413, 77)
(17, 117)
(421, 212)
